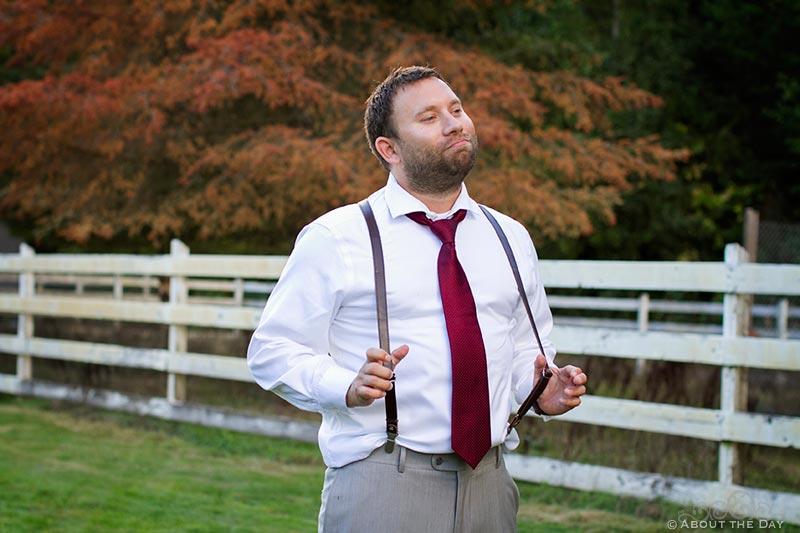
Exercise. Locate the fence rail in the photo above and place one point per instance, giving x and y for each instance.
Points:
(779, 318)
(181, 290)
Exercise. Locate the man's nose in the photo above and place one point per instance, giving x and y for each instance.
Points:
(452, 125)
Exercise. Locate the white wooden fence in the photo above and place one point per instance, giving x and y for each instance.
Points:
(215, 291)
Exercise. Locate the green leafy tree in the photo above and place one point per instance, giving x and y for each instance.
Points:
(730, 83)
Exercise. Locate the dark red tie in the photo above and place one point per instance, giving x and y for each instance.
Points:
(471, 429)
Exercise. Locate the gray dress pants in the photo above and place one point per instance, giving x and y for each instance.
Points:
(410, 492)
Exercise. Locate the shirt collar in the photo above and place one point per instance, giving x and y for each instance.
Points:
(401, 202)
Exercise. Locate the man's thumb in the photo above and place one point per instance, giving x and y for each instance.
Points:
(540, 363)
(399, 353)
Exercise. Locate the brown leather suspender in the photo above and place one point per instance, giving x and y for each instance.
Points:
(383, 322)
(383, 319)
(538, 389)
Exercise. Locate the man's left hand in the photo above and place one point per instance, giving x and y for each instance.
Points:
(564, 390)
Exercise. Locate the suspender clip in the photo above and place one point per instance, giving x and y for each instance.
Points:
(391, 436)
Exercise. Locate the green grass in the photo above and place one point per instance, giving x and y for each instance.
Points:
(67, 467)
(67, 471)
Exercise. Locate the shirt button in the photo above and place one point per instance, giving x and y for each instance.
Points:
(438, 461)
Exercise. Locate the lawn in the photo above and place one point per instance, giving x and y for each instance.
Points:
(66, 467)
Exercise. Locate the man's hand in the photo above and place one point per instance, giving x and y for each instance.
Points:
(372, 380)
(564, 390)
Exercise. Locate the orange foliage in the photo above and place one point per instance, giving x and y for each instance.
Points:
(204, 119)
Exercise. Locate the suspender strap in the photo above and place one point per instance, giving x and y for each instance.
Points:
(383, 322)
(383, 318)
(531, 400)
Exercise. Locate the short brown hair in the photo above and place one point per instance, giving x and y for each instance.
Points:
(378, 115)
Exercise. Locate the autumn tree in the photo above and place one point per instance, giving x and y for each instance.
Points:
(223, 122)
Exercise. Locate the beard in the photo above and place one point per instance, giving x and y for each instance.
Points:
(438, 169)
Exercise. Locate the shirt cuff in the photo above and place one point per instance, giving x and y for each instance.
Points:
(333, 385)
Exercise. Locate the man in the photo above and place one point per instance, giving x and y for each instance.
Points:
(316, 344)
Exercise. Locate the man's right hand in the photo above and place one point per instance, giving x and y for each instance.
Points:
(373, 379)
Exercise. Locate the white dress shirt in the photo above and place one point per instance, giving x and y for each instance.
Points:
(321, 318)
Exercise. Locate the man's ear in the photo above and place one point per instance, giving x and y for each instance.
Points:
(386, 147)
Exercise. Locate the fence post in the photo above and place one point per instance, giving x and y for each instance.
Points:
(782, 318)
(178, 335)
(736, 310)
(147, 281)
(643, 320)
(117, 287)
(27, 285)
(750, 232)
(238, 292)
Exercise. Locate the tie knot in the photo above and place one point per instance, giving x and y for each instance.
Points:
(444, 228)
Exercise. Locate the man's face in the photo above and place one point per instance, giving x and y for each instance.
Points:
(436, 140)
